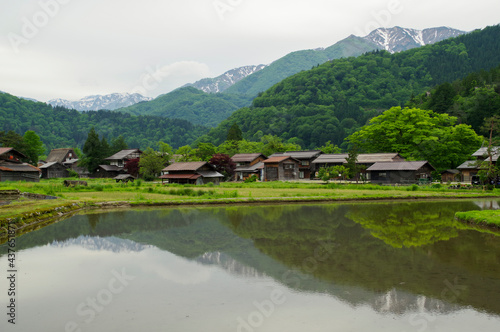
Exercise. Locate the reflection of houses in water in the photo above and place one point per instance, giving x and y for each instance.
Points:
(488, 205)
(229, 264)
(399, 302)
(96, 243)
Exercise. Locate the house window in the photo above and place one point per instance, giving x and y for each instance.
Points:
(289, 166)
(382, 175)
(304, 162)
(301, 175)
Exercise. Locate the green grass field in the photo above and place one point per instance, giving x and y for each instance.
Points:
(486, 217)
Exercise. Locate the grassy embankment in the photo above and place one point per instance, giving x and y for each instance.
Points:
(106, 192)
(490, 218)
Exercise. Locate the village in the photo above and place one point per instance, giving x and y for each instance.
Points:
(376, 168)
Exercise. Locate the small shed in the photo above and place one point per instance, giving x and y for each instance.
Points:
(404, 172)
(53, 170)
(281, 168)
(124, 178)
(108, 171)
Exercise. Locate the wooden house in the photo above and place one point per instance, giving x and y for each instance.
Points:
(450, 175)
(196, 172)
(467, 170)
(248, 164)
(364, 159)
(281, 168)
(120, 158)
(108, 171)
(404, 172)
(305, 158)
(13, 169)
(61, 156)
(53, 169)
(482, 154)
(65, 158)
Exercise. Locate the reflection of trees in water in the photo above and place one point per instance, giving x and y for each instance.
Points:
(320, 247)
(408, 224)
(423, 257)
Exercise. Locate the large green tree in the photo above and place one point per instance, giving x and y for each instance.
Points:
(34, 146)
(418, 135)
(151, 163)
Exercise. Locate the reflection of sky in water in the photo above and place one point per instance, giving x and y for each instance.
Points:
(171, 293)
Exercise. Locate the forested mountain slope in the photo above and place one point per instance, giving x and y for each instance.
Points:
(59, 127)
(332, 100)
(192, 105)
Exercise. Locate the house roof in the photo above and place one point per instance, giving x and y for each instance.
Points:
(12, 150)
(49, 164)
(363, 158)
(451, 171)
(210, 174)
(253, 168)
(278, 159)
(399, 166)
(298, 154)
(469, 164)
(123, 154)
(15, 167)
(59, 155)
(123, 176)
(483, 152)
(71, 161)
(111, 168)
(338, 158)
(190, 176)
(246, 157)
(186, 166)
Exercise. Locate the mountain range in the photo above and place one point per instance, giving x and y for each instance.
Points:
(239, 86)
(101, 102)
(224, 81)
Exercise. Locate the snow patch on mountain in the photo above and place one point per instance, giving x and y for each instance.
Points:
(101, 102)
(224, 81)
(399, 39)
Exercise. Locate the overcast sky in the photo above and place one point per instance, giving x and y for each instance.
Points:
(74, 48)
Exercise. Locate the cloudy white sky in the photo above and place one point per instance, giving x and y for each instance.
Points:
(74, 48)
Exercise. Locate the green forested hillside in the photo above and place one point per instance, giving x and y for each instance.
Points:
(295, 62)
(192, 105)
(333, 100)
(471, 99)
(59, 127)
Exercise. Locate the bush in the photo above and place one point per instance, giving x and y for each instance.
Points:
(250, 179)
(436, 186)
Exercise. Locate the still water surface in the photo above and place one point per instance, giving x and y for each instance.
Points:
(337, 267)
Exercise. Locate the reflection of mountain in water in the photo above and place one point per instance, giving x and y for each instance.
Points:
(395, 257)
(97, 243)
(229, 264)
